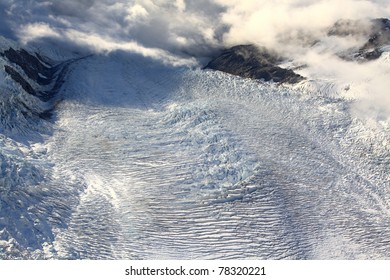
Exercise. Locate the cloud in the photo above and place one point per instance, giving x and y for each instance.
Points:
(185, 27)
(366, 83)
(97, 43)
(269, 22)
(179, 27)
(37, 30)
(3, 24)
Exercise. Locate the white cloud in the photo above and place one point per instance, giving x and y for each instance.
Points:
(186, 26)
(136, 13)
(37, 30)
(180, 5)
(265, 22)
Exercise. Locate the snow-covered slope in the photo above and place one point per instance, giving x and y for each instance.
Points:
(150, 161)
(27, 212)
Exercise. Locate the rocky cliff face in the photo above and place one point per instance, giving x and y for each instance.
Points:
(43, 73)
(249, 61)
(379, 37)
(29, 82)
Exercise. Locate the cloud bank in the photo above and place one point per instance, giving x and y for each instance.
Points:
(185, 31)
(175, 28)
(183, 27)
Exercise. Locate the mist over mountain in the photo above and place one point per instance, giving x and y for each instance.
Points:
(185, 27)
(203, 129)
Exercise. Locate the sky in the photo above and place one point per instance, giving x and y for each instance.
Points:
(180, 27)
(184, 32)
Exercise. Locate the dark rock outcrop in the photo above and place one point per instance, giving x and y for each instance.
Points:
(376, 31)
(249, 61)
(48, 77)
(31, 65)
(379, 37)
(20, 80)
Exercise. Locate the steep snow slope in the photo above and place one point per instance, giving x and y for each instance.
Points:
(151, 161)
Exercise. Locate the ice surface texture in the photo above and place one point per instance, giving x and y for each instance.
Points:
(148, 161)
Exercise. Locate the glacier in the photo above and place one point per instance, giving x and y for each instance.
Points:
(142, 160)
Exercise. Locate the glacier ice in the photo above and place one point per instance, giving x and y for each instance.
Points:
(148, 161)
